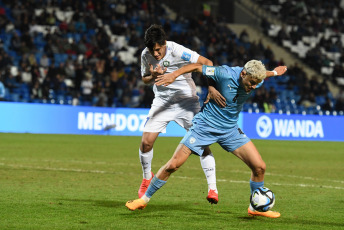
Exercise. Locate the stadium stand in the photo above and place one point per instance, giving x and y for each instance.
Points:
(312, 30)
(88, 53)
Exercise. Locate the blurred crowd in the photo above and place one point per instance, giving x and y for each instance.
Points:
(319, 27)
(73, 57)
(88, 52)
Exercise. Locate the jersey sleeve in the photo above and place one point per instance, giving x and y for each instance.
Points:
(186, 54)
(144, 66)
(213, 72)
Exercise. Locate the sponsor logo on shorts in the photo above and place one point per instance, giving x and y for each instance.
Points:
(192, 140)
(210, 71)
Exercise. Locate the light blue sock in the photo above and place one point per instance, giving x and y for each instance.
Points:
(254, 185)
(154, 186)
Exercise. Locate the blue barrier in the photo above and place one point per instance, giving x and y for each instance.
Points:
(294, 127)
(66, 119)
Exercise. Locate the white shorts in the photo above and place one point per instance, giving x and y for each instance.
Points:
(182, 113)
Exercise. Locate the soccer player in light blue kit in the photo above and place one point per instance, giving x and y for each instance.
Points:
(214, 124)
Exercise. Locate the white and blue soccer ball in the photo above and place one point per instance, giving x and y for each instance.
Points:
(262, 199)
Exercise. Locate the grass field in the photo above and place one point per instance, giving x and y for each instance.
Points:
(83, 182)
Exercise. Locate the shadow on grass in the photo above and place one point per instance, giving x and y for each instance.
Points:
(193, 208)
(101, 203)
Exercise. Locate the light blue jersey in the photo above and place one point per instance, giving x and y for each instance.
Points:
(227, 83)
(215, 124)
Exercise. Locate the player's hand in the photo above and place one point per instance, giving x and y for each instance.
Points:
(216, 96)
(165, 80)
(158, 70)
(280, 70)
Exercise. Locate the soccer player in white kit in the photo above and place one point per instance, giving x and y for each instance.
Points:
(178, 102)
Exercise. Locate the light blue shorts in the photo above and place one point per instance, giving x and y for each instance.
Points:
(202, 135)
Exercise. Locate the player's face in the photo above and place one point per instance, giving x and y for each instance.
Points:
(158, 51)
(248, 82)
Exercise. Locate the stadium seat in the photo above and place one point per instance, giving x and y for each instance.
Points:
(320, 100)
(51, 94)
(15, 97)
(36, 101)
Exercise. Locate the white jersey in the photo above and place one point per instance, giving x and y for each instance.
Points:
(176, 56)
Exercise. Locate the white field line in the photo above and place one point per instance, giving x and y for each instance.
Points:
(15, 166)
(293, 176)
(277, 184)
(192, 168)
(58, 169)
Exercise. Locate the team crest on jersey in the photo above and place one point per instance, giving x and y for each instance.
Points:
(166, 63)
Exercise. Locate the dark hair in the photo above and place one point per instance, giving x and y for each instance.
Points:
(154, 34)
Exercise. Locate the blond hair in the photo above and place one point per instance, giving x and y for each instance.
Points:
(256, 69)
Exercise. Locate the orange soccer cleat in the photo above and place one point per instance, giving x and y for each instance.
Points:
(213, 197)
(144, 185)
(136, 204)
(270, 214)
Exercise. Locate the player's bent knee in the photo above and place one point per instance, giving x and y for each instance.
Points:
(259, 170)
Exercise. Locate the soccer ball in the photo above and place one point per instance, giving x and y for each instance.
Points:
(262, 199)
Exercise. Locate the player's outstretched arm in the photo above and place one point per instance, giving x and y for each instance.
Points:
(204, 61)
(278, 71)
(167, 79)
(213, 93)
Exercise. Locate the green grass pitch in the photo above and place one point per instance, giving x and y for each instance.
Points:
(83, 182)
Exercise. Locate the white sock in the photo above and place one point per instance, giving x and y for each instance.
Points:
(208, 165)
(145, 198)
(146, 163)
